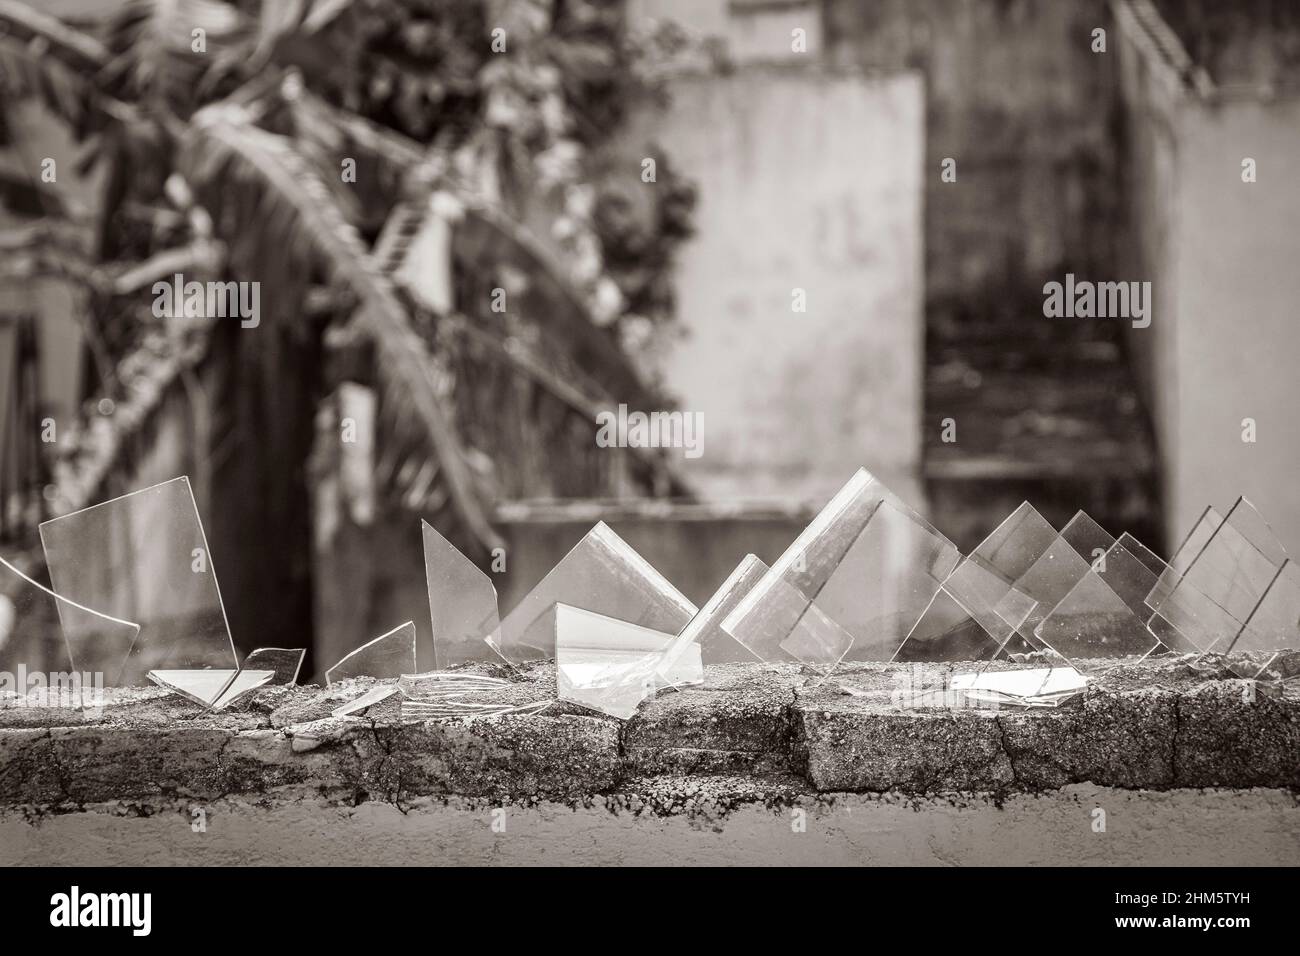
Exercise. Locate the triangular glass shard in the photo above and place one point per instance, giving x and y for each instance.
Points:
(201, 686)
(142, 557)
(283, 662)
(963, 621)
(35, 655)
(367, 700)
(602, 574)
(851, 587)
(607, 664)
(388, 656)
(215, 689)
(462, 603)
(1274, 625)
(705, 631)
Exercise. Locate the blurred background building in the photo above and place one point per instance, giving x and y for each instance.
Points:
(801, 147)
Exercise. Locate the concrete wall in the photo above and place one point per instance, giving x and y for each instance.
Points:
(760, 764)
(1236, 342)
(1223, 344)
(1179, 828)
(807, 181)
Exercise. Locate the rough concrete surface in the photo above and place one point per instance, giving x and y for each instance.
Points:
(761, 764)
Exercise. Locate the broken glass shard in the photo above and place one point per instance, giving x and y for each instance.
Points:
(963, 623)
(1033, 687)
(716, 645)
(1237, 563)
(462, 603)
(771, 611)
(284, 663)
(1273, 627)
(1087, 537)
(1049, 579)
(1191, 545)
(602, 574)
(1195, 540)
(367, 700)
(34, 655)
(608, 664)
(1093, 622)
(1011, 548)
(215, 689)
(388, 656)
(1008, 553)
(851, 587)
(1223, 581)
(143, 558)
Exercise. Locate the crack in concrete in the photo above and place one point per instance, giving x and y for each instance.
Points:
(1005, 745)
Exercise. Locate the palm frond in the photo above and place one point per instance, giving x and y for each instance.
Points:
(42, 59)
(50, 37)
(222, 146)
(152, 45)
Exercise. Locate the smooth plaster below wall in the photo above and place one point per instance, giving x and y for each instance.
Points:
(806, 180)
(1236, 332)
(1179, 827)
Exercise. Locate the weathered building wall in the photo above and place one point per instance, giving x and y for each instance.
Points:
(1223, 345)
(807, 181)
(1015, 95)
(1235, 345)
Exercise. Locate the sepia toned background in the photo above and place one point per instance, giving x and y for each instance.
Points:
(778, 169)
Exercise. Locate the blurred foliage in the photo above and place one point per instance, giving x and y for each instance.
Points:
(247, 108)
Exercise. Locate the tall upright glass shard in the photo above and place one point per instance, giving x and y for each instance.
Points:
(462, 603)
(142, 557)
(388, 656)
(851, 587)
(768, 614)
(601, 574)
(608, 664)
(32, 645)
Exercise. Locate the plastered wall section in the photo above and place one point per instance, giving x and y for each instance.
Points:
(807, 181)
(1234, 342)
